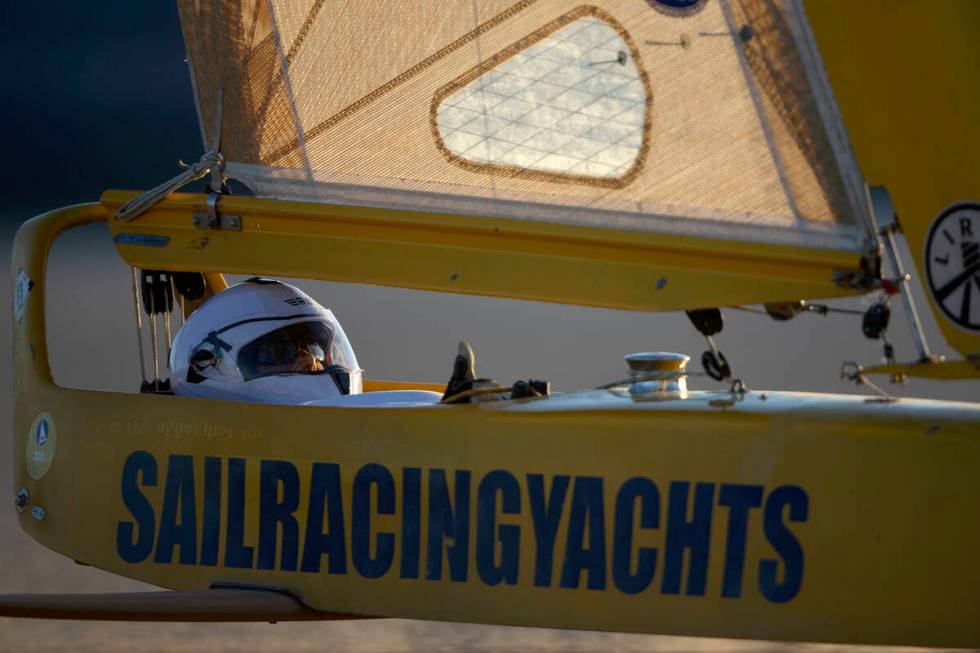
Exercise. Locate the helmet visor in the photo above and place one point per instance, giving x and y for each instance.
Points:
(301, 348)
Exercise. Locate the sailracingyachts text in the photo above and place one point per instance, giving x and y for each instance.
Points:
(464, 516)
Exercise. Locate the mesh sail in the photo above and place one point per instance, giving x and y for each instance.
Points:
(699, 117)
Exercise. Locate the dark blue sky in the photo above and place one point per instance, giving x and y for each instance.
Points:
(96, 95)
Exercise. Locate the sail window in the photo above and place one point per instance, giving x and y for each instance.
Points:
(571, 105)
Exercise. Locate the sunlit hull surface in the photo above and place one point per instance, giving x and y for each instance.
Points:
(771, 516)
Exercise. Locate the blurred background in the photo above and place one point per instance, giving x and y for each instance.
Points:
(97, 96)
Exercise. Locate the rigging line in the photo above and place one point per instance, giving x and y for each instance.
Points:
(166, 329)
(878, 390)
(821, 309)
(153, 335)
(139, 323)
(747, 309)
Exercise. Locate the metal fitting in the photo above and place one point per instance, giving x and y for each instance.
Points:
(657, 372)
(22, 499)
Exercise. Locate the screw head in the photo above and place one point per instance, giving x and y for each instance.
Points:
(22, 499)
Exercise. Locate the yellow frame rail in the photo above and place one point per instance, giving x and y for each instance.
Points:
(485, 256)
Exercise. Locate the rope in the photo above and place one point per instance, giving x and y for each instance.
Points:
(139, 323)
(882, 394)
(853, 372)
(476, 392)
(821, 309)
(145, 201)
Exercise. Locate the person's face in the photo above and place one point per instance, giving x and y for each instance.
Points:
(307, 361)
(308, 358)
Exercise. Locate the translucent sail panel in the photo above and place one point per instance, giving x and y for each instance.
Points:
(707, 118)
(572, 106)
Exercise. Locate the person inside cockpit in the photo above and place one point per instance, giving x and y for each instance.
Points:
(267, 341)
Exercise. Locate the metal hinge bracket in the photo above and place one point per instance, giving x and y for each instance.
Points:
(215, 220)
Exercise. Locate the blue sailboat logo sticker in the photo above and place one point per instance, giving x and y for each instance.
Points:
(41, 442)
(42, 432)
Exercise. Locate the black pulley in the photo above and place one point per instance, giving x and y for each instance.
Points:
(706, 320)
(157, 387)
(715, 365)
(530, 388)
(875, 321)
(189, 285)
(157, 291)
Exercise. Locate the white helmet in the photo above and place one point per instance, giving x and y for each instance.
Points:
(265, 341)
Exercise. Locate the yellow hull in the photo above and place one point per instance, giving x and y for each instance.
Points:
(777, 516)
(904, 74)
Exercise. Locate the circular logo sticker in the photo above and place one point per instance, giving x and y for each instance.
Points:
(41, 442)
(952, 262)
(678, 7)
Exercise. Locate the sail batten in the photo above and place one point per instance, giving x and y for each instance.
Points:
(634, 115)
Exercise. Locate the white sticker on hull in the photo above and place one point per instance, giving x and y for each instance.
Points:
(41, 442)
(952, 262)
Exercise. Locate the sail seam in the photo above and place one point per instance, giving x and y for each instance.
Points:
(290, 97)
(283, 82)
(400, 79)
(303, 32)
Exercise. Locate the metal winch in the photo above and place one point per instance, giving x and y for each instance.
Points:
(658, 374)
